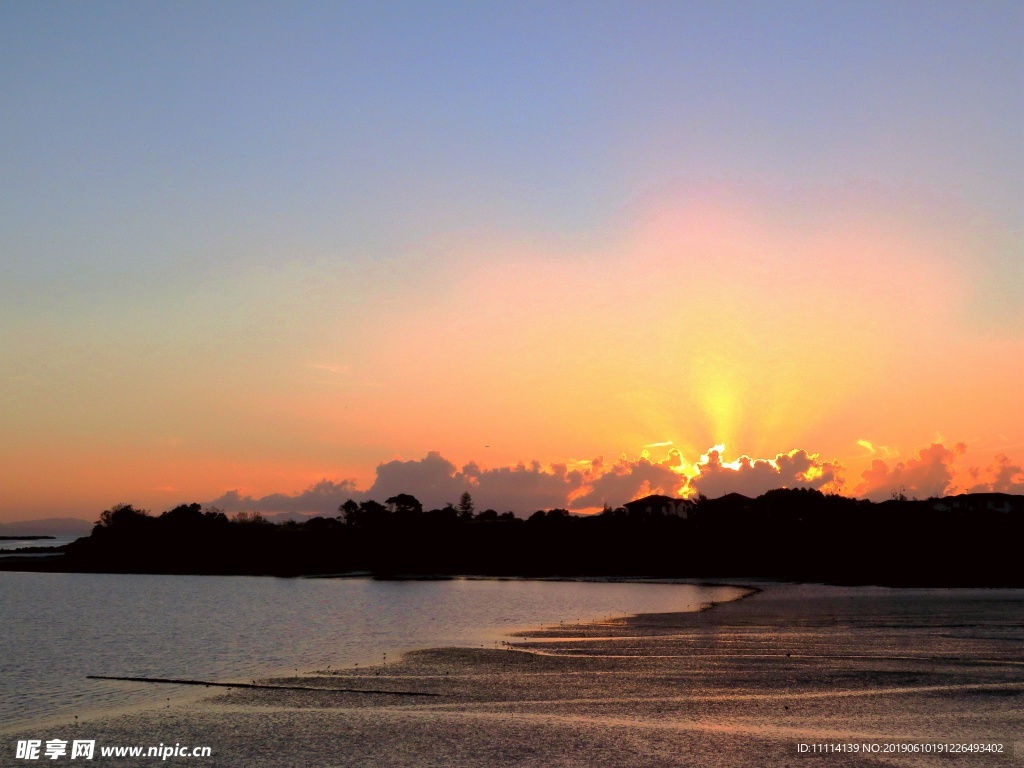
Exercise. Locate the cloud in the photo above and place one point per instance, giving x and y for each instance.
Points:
(322, 498)
(433, 480)
(872, 449)
(527, 487)
(585, 485)
(436, 481)
(929, 474)
(1003, 477)
(625, 480)
(523, 487)
(752, 477)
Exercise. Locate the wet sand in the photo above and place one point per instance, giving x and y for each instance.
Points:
(741, 684)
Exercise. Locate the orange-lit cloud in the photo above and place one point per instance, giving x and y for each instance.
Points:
(1003, 476)
(752, 477)
(522, 487)
(614, 484)
(583, 486)
(590, 484)
(928, 474)
(873, 449)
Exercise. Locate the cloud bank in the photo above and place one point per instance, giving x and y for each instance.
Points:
(752, 477)
(524, 488)
(614, 484)
(933, 472)
(1003, 476)
(928, 474)
(325, 496)
(436, 481)
(589, 485)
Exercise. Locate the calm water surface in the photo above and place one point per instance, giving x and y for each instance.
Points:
(58, 628)
(15, 544)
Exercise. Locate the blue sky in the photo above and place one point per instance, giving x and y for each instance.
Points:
(365, 126)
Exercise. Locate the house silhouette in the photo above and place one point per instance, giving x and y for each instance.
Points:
(657, 504)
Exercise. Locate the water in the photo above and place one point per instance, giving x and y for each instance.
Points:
(58, 628)
(13, 544)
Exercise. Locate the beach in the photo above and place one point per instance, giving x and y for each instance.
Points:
(900, 677)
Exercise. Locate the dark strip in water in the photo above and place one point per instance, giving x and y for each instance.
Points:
(255, 685)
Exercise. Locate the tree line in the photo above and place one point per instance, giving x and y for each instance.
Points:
(797, 534)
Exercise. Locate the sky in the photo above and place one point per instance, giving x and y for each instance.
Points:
(270, 256)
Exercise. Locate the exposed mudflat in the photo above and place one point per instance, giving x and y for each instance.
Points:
(741, 684)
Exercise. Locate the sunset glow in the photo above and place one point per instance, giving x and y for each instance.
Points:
(553, 278)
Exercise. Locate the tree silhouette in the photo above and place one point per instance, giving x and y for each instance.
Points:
(365, 513)
(123, 516)
(776, 535)
(404, 505)
(350, 511)
(249, 518)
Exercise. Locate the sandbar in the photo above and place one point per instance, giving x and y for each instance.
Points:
(755, 682)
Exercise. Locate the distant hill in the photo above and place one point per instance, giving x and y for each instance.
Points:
(50, 526)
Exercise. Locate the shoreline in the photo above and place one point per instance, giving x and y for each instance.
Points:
(284, 671)
(740, 685)
(31, 562)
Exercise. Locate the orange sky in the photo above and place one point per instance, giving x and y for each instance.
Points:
(841, 322)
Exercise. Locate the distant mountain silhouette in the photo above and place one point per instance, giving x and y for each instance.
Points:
(792, 534)
(50, 526)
